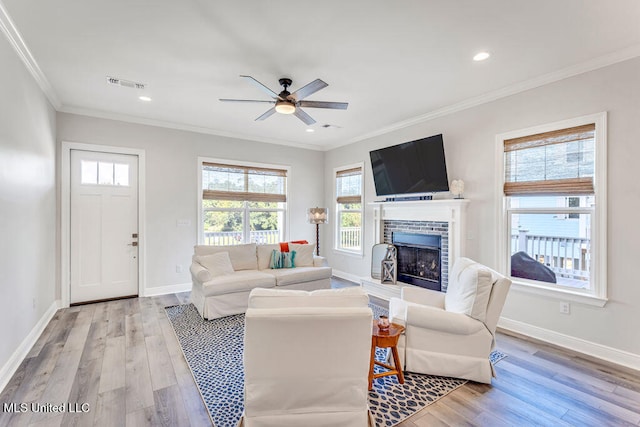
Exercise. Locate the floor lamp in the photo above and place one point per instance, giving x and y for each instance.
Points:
(318, 216)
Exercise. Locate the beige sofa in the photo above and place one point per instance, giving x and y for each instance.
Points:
(221, 284)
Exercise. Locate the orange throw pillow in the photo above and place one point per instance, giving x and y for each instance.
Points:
(284, 246)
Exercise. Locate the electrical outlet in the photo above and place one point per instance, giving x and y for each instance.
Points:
(565, 308)
(179, 268)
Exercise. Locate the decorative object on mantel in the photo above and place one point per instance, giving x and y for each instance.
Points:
(318, 216)
(457, 188)
(378, 253)
(389, 266)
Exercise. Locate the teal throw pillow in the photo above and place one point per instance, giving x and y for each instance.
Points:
(282, 259)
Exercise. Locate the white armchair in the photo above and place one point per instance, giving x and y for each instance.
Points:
(306, 358)
(452, 334)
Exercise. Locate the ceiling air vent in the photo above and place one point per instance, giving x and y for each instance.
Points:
(125, 83)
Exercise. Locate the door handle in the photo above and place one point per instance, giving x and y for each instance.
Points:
(132, 244)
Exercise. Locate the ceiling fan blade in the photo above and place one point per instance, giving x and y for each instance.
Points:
(270, 112)
(246, 100)
(323, 104)
(262, 87)
(309, 89)
(299, 113)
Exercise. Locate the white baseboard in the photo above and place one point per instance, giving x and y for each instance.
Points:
(12, 365)
(346, 276)
(599, 351)
(169, 289)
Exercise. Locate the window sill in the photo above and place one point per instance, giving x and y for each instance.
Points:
(349, 253)
(560, 294)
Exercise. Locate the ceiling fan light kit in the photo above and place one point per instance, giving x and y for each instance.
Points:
(285, 107)
(290, 103)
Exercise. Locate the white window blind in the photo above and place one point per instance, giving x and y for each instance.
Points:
(551, 163)
(243, 183)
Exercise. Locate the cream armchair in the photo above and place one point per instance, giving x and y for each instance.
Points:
(452, 334)
(306, 358)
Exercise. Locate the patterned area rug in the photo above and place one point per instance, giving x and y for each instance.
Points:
(213, 349)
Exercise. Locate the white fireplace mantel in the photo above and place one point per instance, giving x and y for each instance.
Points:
(451, 211)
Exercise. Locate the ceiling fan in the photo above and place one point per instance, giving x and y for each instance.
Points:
(291, 103)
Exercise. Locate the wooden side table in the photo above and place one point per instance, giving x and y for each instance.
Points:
(385, 339)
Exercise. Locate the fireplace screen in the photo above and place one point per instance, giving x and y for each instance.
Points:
(422, 263)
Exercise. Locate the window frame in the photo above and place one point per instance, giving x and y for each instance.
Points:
(246, 209)
(597, 295)
(336, 229)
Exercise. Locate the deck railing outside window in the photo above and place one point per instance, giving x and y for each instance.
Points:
(565, 256)
(235, 237)
(350, 238)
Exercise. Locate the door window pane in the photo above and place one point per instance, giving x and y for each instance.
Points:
(105, 173)
(121, 174)
(88, 172)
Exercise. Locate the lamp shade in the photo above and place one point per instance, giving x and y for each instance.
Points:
(318, 215)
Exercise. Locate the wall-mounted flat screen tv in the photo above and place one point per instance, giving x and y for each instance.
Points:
(411, 168)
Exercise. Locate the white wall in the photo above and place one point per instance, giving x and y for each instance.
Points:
(171, 183)
(469, 138)
(27, 206)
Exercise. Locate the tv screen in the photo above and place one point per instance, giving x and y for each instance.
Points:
(413, 167)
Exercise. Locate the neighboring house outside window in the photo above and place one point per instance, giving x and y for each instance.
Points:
(554, 204)
(242, 203)
(349, 209)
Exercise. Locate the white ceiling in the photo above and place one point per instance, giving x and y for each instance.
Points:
(395, 62)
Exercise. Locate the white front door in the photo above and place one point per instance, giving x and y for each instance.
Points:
(104, 226)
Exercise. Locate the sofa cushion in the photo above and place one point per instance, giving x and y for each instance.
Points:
(284, 298)
(243, 257)
(304, 254)
(289, 276)
(240, 281)
(218, 264)
(469, 289)
(282, 259)
(264, 255)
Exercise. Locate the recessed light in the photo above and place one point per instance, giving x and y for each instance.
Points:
(144, 98)
(481, 56)
(310, 130)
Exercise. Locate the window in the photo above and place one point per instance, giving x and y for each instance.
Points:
(243, 204)
(553, 190)
(93, 172)
(349, 209)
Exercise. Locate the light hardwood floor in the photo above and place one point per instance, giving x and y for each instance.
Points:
(123, 360)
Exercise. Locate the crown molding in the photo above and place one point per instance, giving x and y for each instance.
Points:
(574, 70)
(179, 126)
(15, 39)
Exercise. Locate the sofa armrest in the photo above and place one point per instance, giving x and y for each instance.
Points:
(435, 319)
(320, 261)
(199, 273)
(423, 296)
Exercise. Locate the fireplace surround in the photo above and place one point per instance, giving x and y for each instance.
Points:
(444, 217)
